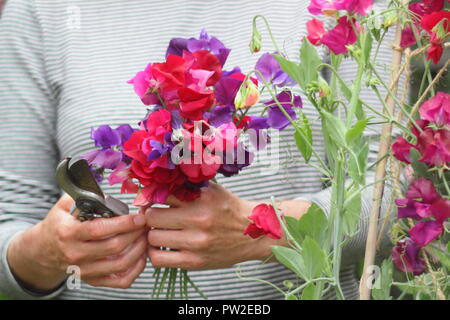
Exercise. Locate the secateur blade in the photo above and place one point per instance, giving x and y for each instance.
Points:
(77, 180)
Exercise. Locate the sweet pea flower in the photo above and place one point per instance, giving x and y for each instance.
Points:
(319, 7)
(276, 118)
(265, 222)
(405, 256)
(271, 71)
(437, 24)
(247, 96)
(342, 35)
(437, 109)
(426, 231)
(420, 196)
(361, 7)
(316, 30)
(434, 146)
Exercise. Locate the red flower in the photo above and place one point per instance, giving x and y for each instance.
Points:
(204, 60)
(316, 31)
(430, 23)
(194, 103)
(201, 166)
(265, 222)
(169, 75)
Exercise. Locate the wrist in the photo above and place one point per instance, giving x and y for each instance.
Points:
(25, 256)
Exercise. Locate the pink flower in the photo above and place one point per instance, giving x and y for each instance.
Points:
(440, 209)
(318, 7)
(265, 222)
(426, 231)
(437, 109)
(419, 198)
(402, 149)
(434, 146)
(361, 7)
(316, 31)
(341, 35)
(405, 256)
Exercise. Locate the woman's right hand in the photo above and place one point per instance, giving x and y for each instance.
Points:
(109, 252)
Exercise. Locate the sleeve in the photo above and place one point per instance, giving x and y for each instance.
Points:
(354, 250)
(28, 152)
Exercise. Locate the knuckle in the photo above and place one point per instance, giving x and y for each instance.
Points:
(204, 220)
(203, 241)
(64, 233)
(124, 283)
(72, 256)
(115, 246)
(198, 264)
(93, 230)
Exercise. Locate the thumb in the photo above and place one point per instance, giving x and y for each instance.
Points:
(65, 202)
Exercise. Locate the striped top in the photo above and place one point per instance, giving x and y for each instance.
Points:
(64, 67)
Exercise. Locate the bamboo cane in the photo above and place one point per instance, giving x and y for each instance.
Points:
(380, 173)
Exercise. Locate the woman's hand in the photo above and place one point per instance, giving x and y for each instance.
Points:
(206, 233)
(109, 252)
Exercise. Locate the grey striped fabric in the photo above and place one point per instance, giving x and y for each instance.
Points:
(64, 67)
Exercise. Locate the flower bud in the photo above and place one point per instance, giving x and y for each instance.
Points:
(255, 43)
(247, 96)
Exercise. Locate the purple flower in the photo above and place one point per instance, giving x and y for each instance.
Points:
(111, 142)
(259, 137)
(405, 256)
(226, 88)
(235, 161)
(426, 231)
(220, 115)
(205, 42)
(271, 71)
(276, 117)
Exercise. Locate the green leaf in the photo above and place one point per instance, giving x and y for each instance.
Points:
(352, 212)
(308, 292)
(314, 259)
(292, 69)
(291, 259)
(291, 297)
(382, 286)
(304, 140)
(356, 131)
(442, 256)
(309, 62)
(314, 224)
(335, 128)
(358, 160)
(293, 227)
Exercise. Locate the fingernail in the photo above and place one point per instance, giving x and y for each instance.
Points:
(139, 220)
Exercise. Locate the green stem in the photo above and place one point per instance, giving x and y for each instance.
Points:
(337, 209)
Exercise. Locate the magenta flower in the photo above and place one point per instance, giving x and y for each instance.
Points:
(440, 209)
(419, 198)
(426, 231)
(342, 35)
(434, 146)
(361, 7)
(437, 109)
(402, 149)
(319, 7)
(405, 256)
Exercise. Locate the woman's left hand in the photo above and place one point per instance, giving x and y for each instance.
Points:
(206, 233)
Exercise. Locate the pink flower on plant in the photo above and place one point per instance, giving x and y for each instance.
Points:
(402, 149)
(319, 7)
(316, 31)
(342, 35)
(405, 256)
(426, 231)
(437, 109)
(265, 222)
(434, 146)
(361, 7)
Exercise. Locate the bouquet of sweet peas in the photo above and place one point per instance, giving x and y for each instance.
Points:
(193, 130)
